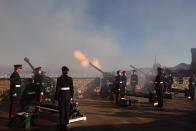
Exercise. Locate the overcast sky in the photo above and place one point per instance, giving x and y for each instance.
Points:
(116, 32)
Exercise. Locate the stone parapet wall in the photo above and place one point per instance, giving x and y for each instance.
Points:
(87, 87)
(184, 85)
(83, 87)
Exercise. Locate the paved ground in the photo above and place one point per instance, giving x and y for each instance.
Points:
(177, 114)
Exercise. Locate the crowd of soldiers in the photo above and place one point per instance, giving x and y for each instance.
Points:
(120, 84)
(64, 93)
(162, 85)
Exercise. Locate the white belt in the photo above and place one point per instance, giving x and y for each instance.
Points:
(33, 92)
(65, 88)
(17, 85)
(39, 83)
(159, 82)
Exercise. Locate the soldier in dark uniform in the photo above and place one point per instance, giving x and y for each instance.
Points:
(192, 83)
(124, 84)
(28, 95)
(170, 82)
(134, 80)
(38, 82)
(118, 85)
(159, 86)
(15, 89)
(64, 93)
(165, 83)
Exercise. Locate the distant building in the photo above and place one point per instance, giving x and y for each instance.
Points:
(193, 63)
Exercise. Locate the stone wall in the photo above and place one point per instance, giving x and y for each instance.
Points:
(181, 86)
(83, 87)
(86, 87)
(4, 87)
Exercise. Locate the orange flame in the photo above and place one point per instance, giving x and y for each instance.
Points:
(82, 58)
(84, 61)
(79, 56)
(96, 63)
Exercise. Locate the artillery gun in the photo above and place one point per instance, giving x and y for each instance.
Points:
(147, 79)
(106, 81)
(48, 83)
(49, 103)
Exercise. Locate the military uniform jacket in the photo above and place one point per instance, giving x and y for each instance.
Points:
(159, 81)
(65, 86)
(124, 79)
(38, 83)
(134, 79)
(170, 80)
(192, 82)
(118, 82)
(15, 83)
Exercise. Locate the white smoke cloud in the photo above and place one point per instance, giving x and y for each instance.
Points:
(49, 36)
(48, 32)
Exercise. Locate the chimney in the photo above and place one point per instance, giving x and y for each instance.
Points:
(193, 63)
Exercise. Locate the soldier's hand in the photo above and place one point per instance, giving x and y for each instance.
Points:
(14, 95)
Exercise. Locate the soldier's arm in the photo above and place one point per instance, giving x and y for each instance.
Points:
(172, 80)
(137, 79)
(57, 89)
(13, 84)
(71, 87)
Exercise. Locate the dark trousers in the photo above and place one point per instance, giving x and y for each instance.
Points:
(169, 87)
(133, 86)
(15, 106)
(118, 92)
(64, 108)
(122, 93)
(159, 93)
(12, 107)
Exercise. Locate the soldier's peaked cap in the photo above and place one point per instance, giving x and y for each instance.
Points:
(18, 66)
(38, 68)
(124, 72)
(159, 68)
(65, 68)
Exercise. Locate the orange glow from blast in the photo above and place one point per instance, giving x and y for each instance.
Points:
(82, 58)
(79, 56)
(84, 61)
(96, 63)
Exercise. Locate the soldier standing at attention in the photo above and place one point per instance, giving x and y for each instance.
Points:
(192, 83)
(134, 80)
(124, 80)
(118, 85)
(64, 94)
(159, 86)
(15, 89)
(170, 82)
(38, 80)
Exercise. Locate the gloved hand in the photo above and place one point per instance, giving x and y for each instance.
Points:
(14, 95)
